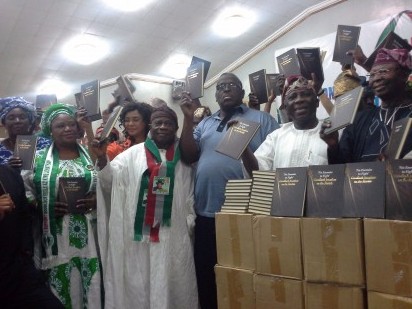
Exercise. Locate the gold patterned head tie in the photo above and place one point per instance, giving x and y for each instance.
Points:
(298, 84)
(346, 81)
(202, 112)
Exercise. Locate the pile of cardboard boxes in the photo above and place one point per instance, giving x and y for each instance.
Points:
(273, 262)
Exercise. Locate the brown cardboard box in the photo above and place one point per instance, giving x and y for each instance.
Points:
(278, 292)
(234, 240)
(234, 288)
(278, 246)
(385, 301)
(328, 296)
(388, 256)
(333, 251)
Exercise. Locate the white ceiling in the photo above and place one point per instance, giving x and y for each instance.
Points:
(32, 33)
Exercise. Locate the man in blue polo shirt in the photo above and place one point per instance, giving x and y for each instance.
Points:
(214, 170)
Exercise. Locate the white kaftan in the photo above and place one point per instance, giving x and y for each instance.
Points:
(141, 274)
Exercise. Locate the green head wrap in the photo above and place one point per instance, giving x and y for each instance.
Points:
(51, 113)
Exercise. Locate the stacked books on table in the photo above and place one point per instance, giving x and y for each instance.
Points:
(262, 192)
(237, 194)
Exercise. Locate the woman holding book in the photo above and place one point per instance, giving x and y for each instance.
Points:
(18, 116)
(67, 246)
(135, 119)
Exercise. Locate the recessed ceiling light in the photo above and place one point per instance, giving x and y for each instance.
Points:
(54, 86)
(176, 66)
(85, 49)
(232, 22)
(128, 5)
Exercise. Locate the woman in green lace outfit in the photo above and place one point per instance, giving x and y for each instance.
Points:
(66, 241)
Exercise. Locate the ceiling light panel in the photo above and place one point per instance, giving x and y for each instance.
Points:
(85, 49)
(128, 5)
(233, 22)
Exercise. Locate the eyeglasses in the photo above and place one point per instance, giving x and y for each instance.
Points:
(166, 124)
(381, 72)
(223, 86)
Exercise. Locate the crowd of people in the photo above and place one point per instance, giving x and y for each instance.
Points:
(143, 234)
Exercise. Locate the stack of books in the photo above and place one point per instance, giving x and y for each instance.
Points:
(237, 194)
(262, 192)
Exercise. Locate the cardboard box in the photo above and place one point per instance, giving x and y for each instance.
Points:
(234, 288)
(329, 296)
(385, 301)
(278, 292)
(278, 246)
(388, 256)
(333, 251)
(234, 240)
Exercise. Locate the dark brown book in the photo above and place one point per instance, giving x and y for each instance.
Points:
(400, 131)
(345, 109)
(399, 189)
(391, 41)
(271, 81)
(195, 80)
(206, 65)
(310, 62)
(43, 101)
(2, 189)
(25, 149)
(324, 194)
(346, 39)
(288, 63)
(258, 85)
(289, 192)
(364, 190)
(72, 189)
(108, 127)
(91, 99)
(237, 138)
(124, 89)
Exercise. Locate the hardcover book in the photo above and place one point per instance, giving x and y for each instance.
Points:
(108, 127)
(72, 189)
(2, 189)
(310, 62)
(79, 99)
(271, 80)
(400, 131)
(195, 80)
(25, 149)
(325, 191)
(43, 101)
(289, 192)
(399, 189)
(364, 190)
(237, 138)
(125, 89)
(91, 99)
(206, 65)
(258, 85)
(391, 41)
(344, 110)
(288, 63)
(346, 39)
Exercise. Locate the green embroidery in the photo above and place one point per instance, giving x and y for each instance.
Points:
(78, 231)
(59, 279)
(87, 269)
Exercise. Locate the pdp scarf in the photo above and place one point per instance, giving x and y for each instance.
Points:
(154, 206)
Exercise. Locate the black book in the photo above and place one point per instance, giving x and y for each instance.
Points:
(72, 189)
(237, 138)
(364, 190)
(391, 41)
(43, 101)
(399, 189)
(25, 149)
(310, 62)
(289, 192)
(110, 123)
(325, 191)
(206, 65)
(271, 81)
(195, 80)
(345, 109)
(258, 85)
(288, 63)
(91, 99)
(2, 189)
(125, 89)
(400, 131)
(346, 39)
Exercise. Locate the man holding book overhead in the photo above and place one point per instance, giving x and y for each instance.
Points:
(367, 138)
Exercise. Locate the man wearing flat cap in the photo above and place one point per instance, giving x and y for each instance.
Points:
(366, 139)
(144, 232)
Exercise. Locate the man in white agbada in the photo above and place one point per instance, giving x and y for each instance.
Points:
(146, 218)
(296, 143)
